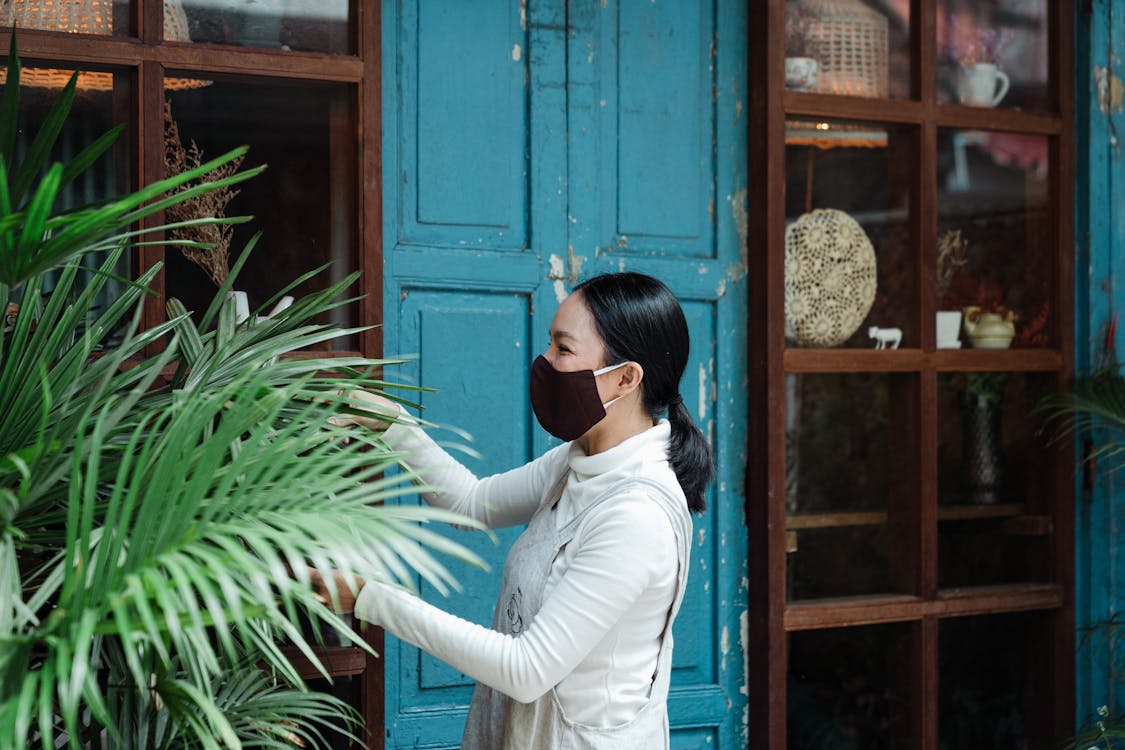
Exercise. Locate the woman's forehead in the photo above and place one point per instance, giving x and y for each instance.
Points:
(573, 319)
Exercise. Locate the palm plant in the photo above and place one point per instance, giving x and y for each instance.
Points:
(1096, 403)
(157, 513)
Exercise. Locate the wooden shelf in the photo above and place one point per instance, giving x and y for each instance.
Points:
(878, 517)
(916, 360)
(835, 107)
(815, 614)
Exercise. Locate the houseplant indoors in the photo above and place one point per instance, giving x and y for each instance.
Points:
(157, 512)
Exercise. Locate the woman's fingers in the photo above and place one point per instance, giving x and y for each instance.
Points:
(346, 591)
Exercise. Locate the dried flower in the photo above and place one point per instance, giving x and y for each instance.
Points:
(213, 258)
(799, 38)
(968, 44)
(952, 254)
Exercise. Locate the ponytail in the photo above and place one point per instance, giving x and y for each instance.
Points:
(640, 320)
(690, 455)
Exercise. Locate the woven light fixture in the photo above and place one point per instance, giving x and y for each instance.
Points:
(85, 17)
(849, 40)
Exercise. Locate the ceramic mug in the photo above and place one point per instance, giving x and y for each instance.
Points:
(982, 85)
(800, 73)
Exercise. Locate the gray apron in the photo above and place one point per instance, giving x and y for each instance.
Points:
(496, 721)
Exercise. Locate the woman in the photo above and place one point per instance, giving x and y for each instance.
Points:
(580, 650)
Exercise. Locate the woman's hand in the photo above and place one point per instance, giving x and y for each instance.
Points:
(384, 411)
(346, 593)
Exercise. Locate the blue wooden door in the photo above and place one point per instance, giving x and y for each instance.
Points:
(527, 146)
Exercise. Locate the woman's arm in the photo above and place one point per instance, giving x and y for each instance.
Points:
(627, 547)
(506, 499)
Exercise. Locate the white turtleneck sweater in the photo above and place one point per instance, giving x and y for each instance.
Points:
(597, 635)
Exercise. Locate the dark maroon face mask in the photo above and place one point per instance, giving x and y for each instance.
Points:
(567, 404)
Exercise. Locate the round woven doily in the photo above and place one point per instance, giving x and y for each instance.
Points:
(829, 278)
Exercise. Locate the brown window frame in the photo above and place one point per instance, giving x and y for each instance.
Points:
(146, 56)
(771, 616)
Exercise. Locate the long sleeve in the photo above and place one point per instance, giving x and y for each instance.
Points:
(501, 500)
(626, 548)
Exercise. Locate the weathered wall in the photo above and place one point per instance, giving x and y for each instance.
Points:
(1100, 251)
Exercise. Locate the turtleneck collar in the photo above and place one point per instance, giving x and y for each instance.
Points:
(650, 445)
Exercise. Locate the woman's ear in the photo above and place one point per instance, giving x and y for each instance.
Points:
(631, 376)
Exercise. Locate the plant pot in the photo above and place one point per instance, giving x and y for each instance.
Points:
(948, 328)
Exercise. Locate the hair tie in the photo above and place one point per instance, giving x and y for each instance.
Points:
(675, 400)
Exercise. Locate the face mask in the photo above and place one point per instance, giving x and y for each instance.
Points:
(567, 404)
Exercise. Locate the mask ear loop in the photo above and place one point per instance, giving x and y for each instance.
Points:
(611, 368)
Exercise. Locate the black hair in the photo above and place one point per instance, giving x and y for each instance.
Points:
(640, 320)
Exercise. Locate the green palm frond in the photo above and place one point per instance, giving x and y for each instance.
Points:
(158, 514)
(1097, 402)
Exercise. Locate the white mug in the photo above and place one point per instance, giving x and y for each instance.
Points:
(800, 73)
(978, 85)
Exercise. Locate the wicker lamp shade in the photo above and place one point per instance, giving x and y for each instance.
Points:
(85, 17)
(850, 41)
(829, 278)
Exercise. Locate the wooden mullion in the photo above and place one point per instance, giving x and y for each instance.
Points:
(816, 614)
(929, 683)
(928, 486)
(923, 45)
(194, 57)
(1062, 166)
(367, 42)
(831, 106)
(150, 169)
(910, 360)
(370, 134)
(765, 471)
(151, 16)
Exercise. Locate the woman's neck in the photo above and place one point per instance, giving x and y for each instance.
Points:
(625, 419)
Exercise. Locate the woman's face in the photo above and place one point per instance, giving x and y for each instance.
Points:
(575, 343)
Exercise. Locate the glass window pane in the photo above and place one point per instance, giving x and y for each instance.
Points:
(101, 100)
(849, 482)
(848, 47)
(991, 672)
(993, 54)
(321, 26)
(304, 204)
(108, 17)
(849, 257)
(850, 688)
(995, 234)
(994, 480)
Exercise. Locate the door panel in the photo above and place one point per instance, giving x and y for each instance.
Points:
(527, 147)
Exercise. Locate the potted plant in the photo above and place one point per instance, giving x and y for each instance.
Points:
(157, 513)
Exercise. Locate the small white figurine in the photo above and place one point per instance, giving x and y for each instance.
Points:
(885, 338)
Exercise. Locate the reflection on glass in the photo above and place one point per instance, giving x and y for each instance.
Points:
(304, 204)
(990, 670)
(320, 26)
(994, 479)
(993, 219)
(93, 112)
(847, 478)
(849, 688)
(108, 17)
(861, 173)
(848, 47)
(993, 54)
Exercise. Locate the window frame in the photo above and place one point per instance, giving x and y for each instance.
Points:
(771, 616)
(144, 56)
